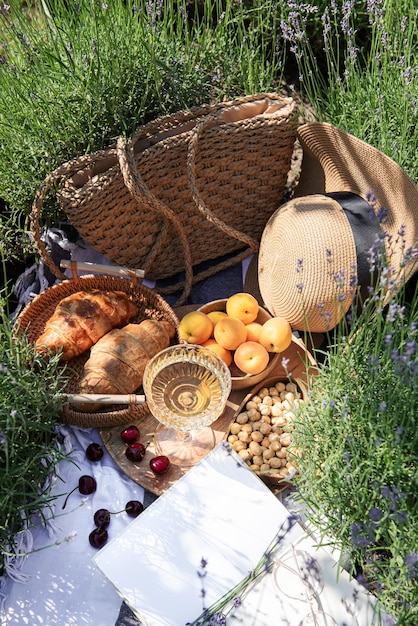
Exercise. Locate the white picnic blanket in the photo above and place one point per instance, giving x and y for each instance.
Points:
(58, 585)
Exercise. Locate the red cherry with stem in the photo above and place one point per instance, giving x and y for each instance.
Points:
(98, 537)
(94, 452)
(102, 518)
(135, 452)
(130, 434)
(134, 508)
(160, 464)
(86, 486)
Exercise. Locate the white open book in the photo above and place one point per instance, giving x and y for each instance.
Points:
(221, 512)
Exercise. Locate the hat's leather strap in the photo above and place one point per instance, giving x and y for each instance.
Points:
(364, 225)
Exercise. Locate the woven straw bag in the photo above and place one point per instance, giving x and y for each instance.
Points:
(34, 316)
(187, 188)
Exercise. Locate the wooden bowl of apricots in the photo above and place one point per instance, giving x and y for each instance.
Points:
(242, 333)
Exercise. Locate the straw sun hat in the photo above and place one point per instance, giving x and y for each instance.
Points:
(314, 249)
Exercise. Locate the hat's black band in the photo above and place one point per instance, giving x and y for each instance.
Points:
(364, 225)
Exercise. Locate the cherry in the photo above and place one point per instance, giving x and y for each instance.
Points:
(102, 518)
(135, 452)
(98, 537)
(94, 452)
(130, 434)
(160, 464)
(86, 485)
(134, 508)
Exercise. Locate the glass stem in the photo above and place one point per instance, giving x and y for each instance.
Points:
(184, 436)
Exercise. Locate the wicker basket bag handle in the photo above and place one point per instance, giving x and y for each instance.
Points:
(63, 171)
(124, 152)
(211, 120)
(142, 194)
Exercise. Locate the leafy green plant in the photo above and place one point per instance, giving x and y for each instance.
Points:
(360, 73)
(29, 446)
(358, 446)
(75, 75)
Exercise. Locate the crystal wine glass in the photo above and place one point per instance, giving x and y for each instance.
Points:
(186, 387)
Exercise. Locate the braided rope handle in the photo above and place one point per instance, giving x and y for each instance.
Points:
(63, 171)
(140, 191)
(211, 120)
(142, 194)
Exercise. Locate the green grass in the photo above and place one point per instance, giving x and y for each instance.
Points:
(76, 75)
(29, 448)
(81, 74)
(369, 85)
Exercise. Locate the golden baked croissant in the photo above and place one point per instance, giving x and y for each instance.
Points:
(81, 319)
(117, 361)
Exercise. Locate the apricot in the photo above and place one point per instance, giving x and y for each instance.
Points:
(276, 334)
(251, 357)
(225, 354)
(230, 332)
(243, 306)
(253, 331)
(195, 327)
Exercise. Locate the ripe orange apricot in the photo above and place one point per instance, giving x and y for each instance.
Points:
(253, 331)
(251, 357)
(214, 317)
(230, 332)
(225, 354)
(276, 334)
(243, 306)
(195, 327)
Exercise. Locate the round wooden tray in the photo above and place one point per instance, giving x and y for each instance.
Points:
(300, 361)
(147, 425)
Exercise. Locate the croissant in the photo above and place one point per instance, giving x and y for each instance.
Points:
(81, 319)
(117, 361)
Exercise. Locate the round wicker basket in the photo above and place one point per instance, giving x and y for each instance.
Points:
(33, 318)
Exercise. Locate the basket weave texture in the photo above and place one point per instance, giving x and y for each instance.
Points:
(187, 188)
(33, 318)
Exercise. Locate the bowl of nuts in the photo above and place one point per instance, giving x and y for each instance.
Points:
(261, 431)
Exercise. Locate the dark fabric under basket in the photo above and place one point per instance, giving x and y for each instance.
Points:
(187, 188)
(34, 316)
